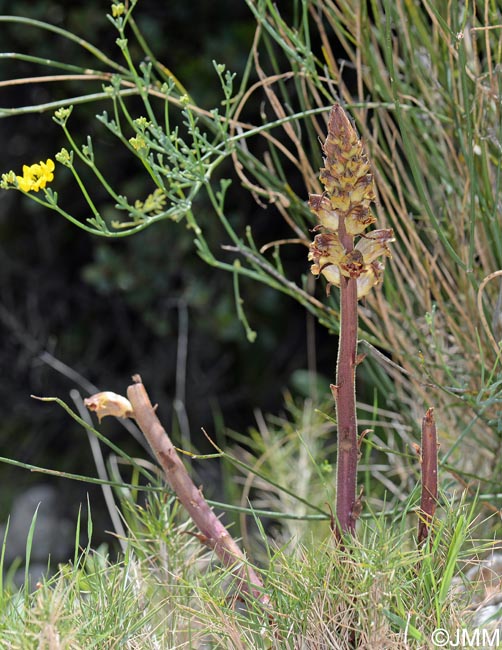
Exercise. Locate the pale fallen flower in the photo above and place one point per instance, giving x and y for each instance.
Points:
(108, 403)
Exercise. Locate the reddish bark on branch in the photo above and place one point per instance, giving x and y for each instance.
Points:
(214, 533)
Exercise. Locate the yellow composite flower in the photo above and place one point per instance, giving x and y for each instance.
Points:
(36, 176)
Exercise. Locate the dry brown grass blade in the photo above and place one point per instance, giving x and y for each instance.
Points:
(481, 313)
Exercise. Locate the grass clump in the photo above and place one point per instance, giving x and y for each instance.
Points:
(379, 591)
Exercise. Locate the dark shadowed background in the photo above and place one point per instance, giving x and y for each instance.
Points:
(142, 304)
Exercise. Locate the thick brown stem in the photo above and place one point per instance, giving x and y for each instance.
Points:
(346, 477)
(214, 534)
(429, 458)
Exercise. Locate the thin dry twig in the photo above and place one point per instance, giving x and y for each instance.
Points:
(277, 276)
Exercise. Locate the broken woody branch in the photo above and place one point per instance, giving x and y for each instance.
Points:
(213, 532)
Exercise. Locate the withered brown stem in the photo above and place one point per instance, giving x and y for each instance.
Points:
(214, 533)
(429, 461)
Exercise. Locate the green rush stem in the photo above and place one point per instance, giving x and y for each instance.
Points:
(346, 475)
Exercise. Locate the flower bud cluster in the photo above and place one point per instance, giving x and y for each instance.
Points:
(343, 212)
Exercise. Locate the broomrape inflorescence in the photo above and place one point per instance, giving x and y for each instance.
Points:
(343, 211)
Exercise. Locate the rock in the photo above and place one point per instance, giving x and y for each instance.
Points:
(53, 537)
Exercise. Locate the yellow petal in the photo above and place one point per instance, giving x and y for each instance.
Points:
(358, 220)
(47, 166)
(24, 184)
(321, 206)
(332, 274)
(326, 249)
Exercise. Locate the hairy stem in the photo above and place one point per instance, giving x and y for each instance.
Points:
(343, 212)
(345, 398)
(346, 408)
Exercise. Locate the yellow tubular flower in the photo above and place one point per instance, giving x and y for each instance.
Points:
(326, 249)
(321, 206)
(374, 244)
(371, 277)
(332, 274)
(358, 219)
(108, 403)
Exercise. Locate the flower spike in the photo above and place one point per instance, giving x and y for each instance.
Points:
(348, 257)
(343, 212)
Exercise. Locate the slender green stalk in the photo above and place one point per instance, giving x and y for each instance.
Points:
(89, 47)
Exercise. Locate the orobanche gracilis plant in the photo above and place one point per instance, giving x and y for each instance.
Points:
(343, 211)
